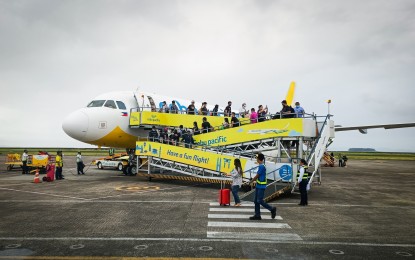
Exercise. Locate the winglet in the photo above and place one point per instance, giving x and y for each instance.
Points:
(290, 94)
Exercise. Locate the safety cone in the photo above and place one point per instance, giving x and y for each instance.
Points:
(36, 179)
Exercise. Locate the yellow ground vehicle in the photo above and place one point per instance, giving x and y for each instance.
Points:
(37, 161)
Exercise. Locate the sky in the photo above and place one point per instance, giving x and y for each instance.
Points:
(56, 56)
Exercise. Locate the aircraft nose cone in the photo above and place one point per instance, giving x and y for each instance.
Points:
(76, 125)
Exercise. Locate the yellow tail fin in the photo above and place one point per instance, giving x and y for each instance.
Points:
(290, 93)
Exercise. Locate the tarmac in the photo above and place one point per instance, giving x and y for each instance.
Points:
(364, 211)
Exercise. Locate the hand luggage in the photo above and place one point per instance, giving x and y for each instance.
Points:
(224, 197)
(50, 172)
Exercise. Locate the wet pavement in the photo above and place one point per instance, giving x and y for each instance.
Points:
(364, 211)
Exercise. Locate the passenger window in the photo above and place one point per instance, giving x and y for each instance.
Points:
(96, 103)
(121, 105)
(110, 104)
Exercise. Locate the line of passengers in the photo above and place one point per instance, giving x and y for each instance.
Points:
(172, 136)
(255, 116)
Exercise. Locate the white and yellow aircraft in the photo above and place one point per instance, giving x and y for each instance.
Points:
(105, 120)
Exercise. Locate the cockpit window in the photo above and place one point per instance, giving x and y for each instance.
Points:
(96, 103)
(110, 104)
(121, 105)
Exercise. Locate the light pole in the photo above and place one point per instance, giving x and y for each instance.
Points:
(328, 107)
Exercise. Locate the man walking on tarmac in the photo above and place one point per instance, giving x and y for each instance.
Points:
(79, 164)
(261, 184)
(24, 161)
(302, 182)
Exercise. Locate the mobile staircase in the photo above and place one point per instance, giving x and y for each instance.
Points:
(212, 156)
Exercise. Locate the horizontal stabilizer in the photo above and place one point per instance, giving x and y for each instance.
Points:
(363, 129)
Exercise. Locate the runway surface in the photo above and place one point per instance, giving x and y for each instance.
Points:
(364, 211)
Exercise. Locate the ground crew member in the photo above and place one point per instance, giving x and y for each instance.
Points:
(302, 179)
(261, 184)
(25, 156)
(59, 165)
(79, 163)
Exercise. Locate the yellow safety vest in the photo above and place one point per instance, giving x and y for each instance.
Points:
(265, 181)
(58, 160)
(305, 175)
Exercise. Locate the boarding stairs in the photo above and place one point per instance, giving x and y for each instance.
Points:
(324, 139)
(244, 140)
(279, 174)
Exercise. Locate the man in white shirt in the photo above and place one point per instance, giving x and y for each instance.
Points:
(25, 156)
(79, 163)
(242, 111)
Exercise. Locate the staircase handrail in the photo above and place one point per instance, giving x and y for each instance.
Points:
(312, 153)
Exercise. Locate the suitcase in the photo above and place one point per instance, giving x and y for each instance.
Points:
(224, 197)
(50, 172)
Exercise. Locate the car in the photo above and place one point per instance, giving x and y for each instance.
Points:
(112, 162)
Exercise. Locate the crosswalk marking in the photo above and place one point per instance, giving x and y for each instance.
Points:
(252, 224)
(244, 204)
(233, 223)
(255, 236)
(240, 216)
(237, 209)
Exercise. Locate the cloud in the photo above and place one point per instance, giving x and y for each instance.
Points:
(58, 55)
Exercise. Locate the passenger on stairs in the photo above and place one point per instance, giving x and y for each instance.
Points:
(234, 120)
(164, 108)
(164, 138)
(242, 111)
(187, 138)
(236, 174)
(287, 111)
(262, 112)
(153, 135)
(196, 130)
(253, 116)
(225, 123)
(206, 127)
(173, 107)
(191, 109)
(203, 109)
(261, 183)
(228, 109)
(215, 111)
(299, 111)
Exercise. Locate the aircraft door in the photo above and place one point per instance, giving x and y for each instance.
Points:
(152, 104)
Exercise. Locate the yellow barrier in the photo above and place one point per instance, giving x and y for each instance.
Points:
(174, 120)
(199, 158)
(252, 132)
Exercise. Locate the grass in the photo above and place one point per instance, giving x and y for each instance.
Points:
(65, 151)
(104, 152)
(377, 156)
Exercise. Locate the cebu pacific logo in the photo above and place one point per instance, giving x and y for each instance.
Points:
(215, 141)
(153, 118)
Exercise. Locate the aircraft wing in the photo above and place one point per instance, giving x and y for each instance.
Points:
(363, 129)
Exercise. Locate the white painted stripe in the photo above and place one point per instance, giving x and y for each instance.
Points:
(95, 200)
(260, 236)
(201, 240)
(237, 209)
(240, 216)
(42, 193)
(244, 204)
(253, 224)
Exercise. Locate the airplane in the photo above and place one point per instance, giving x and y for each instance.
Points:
(105, 120)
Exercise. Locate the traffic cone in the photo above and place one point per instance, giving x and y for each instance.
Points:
(36, 179)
